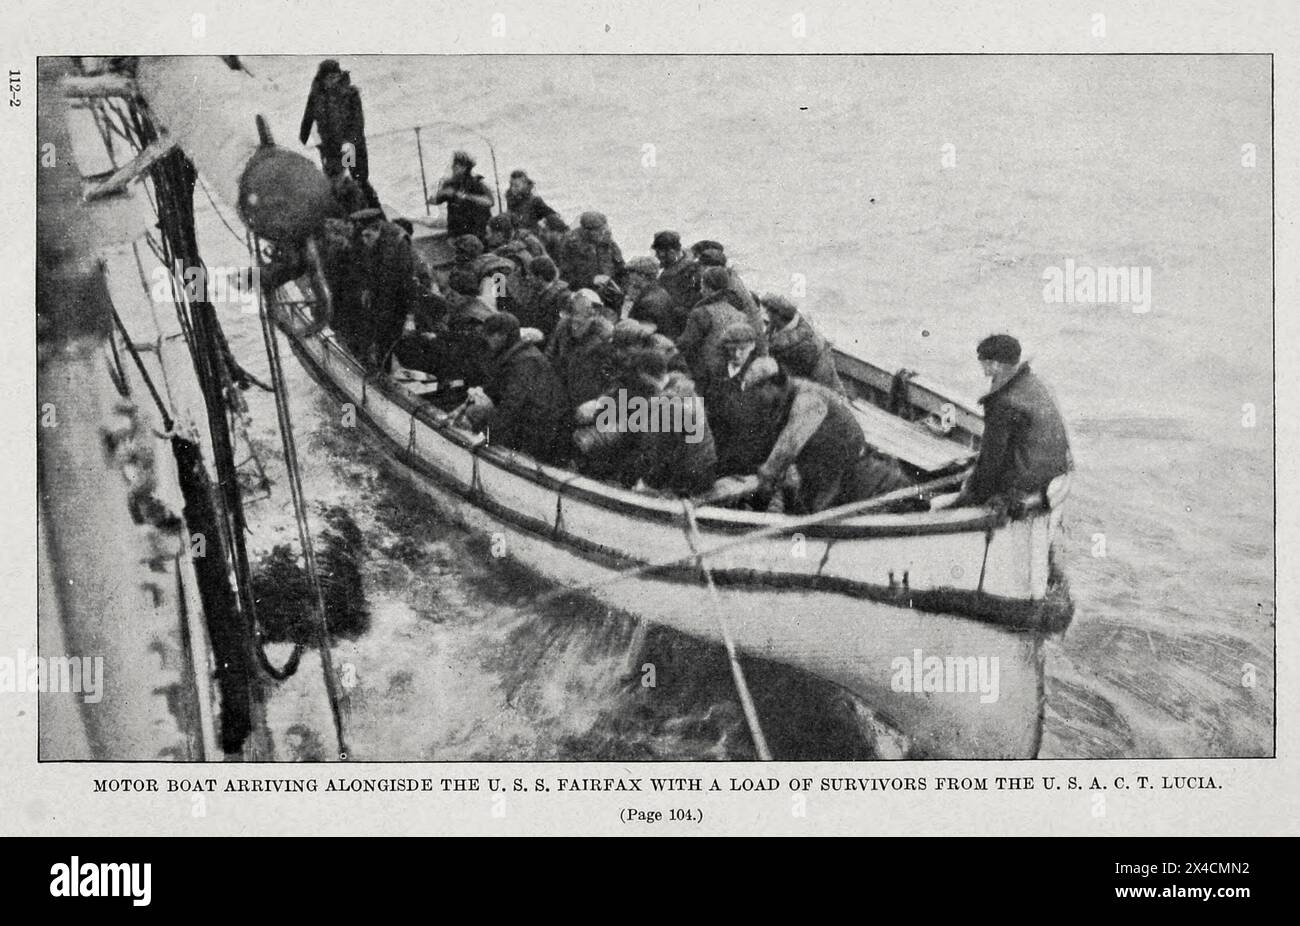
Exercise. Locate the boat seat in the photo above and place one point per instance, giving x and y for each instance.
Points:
(909, 441)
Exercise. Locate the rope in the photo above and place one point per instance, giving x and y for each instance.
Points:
(737, 673)
(217, 209)
(117, 371)
(280, 391)
(168, 424)
(984, 563)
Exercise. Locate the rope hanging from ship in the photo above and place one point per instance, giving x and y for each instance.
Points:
(280, 390)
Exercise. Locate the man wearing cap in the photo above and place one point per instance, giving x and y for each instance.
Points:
(466, 251)
(794, 344)
(679, 274)
(819, 436)
(465, 302)
(582, 350)
(527, 208)
(589, 251)
(528, 410)
(1025, 445)
(680, 461)
(469, 201)
(387, 272)
(543, 296)
(334, 107)
(741, 425)
(711, 254)
(701, 339)
(648, 302)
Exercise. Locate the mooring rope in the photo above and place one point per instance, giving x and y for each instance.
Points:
(737, 673)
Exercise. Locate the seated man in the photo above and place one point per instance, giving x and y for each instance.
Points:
(742, 426)
(710, 254)
(701, 340)
(581, 349)
(819, 436)
(1025, 445)
(457, 355)
(467, 252)
(543, 296)
(679, 274)
(679, 457)
(647, 301)
(589, 251)
(528, 411)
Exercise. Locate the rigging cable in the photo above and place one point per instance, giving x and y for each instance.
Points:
(280, 391)
(169, 425)
(217, 209)
(173, 178)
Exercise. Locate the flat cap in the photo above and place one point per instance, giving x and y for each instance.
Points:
(739, 333)
(1000, 347)
(645, 266)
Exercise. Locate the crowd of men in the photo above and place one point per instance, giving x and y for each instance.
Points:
(534, 324)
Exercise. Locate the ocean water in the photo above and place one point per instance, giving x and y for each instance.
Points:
(918, 201)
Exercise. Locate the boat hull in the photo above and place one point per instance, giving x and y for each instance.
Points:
(869, 648)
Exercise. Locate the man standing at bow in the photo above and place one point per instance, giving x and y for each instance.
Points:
(1025, 445)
